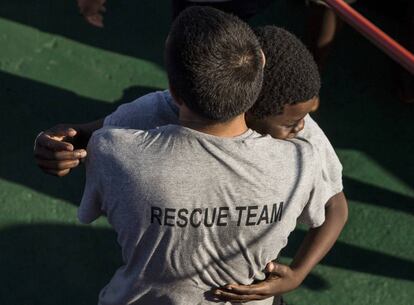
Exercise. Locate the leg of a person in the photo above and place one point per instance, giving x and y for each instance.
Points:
(322, 27)
(406, 86)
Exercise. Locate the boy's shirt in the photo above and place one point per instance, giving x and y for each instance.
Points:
(330, 164)
(147, 112)
(193, 211)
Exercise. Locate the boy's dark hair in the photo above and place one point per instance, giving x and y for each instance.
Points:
(291, 75)
(214, 63)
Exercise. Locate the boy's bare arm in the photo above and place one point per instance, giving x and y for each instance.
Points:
(60, 148)
(320, 240)
(283, 278)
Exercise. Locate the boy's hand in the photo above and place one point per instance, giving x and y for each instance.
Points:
(92, 11)
(54, 153)
(281, 279)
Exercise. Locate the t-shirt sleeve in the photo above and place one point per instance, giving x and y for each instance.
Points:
(90, 206)
(331, 166)
(146, 112)
(313, 214)
(122, 116)
(329, 161)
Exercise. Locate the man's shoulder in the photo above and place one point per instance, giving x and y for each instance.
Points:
(319, 140)
(112, 145)
(303, 147)
(289, 146)
(117, 135)
(112, 139)
(152, 97)
(150, 100)
(292, 152)
(153, 109)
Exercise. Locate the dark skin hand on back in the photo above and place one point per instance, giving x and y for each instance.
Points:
(62, 147)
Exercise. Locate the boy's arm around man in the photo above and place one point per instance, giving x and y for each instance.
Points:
(283, 278)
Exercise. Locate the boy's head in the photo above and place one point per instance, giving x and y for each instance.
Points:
(290, 87)
(214, 63)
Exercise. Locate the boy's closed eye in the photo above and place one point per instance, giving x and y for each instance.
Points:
(287, 124)
(292, 125)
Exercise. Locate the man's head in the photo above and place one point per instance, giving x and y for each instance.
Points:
(290, 87)
(214, 63)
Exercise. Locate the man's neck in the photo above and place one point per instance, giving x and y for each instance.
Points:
(229, 129)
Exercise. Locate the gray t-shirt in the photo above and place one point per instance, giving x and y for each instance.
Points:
(194, 211)
(330, 164)
(147, 112)
(157, 109)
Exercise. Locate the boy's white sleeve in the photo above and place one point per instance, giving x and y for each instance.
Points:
(146, 112)
(90, 206)
(313, 215)
(331, 166)
(121, 117)
(329, 161)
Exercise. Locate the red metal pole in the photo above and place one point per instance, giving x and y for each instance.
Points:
(397, 52)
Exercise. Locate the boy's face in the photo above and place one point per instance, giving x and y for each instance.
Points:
(286, 125)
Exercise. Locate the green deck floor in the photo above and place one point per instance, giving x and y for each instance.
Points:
(54, 68)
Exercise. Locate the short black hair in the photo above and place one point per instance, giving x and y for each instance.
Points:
(214, 63)
(291, 75)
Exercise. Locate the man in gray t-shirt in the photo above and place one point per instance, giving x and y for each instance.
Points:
(207, 202)
(284, 105)
(195, 211)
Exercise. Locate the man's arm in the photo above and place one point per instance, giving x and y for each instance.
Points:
(62, 147)
(281, 279)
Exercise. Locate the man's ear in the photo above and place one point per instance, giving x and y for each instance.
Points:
(178, 101)
(263, 58)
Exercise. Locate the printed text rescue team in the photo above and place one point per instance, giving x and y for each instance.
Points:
(217, 216)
